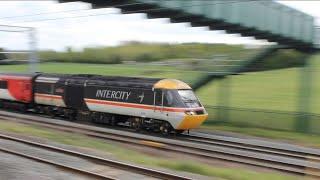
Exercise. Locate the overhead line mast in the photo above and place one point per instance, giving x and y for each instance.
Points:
(33, 57)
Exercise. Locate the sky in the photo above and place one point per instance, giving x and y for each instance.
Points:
(110, 28)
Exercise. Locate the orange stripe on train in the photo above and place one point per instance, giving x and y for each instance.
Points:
(47, 96)
(141, 106)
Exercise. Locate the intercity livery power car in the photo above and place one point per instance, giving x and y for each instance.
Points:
(163, 105)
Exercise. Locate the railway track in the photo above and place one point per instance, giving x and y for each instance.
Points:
(107, 162)
(237, 143)
(62, 166)
(249, 154)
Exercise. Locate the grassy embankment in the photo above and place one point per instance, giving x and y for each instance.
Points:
(126, 154)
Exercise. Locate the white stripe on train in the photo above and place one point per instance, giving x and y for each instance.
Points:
(5, 94)
(174, 118)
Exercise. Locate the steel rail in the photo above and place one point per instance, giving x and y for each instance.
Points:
(111, 163)
(59, 165)
(248, 158)
(251, 147)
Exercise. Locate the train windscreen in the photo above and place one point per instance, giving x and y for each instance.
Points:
(189, 98)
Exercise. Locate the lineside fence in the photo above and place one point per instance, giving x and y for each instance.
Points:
(284, 99)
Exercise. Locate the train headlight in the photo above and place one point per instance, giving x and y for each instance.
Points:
(190, 113)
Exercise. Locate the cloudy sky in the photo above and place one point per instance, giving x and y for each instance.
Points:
(54, 31)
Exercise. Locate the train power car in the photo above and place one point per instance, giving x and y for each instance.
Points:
(165, 105)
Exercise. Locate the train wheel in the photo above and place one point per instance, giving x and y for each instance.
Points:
(23, 109)
(36, 109)
(94, 117)
(49, 111)
(136, 124)
(165, 128)
(72, 116)
(113, 121)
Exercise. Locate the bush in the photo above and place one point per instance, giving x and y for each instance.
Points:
(2, 56)
(284, 58)
(140, 52)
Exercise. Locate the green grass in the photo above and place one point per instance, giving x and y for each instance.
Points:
(277, 91)
(109, 69)
(137, 157)
(273, 90)
(292, 137)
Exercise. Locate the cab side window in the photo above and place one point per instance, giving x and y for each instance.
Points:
(3, 85)
(158, 97)
(169, 99)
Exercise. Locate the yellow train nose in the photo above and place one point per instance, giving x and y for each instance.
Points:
(192, 121)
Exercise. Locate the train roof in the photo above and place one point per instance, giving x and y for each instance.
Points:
(99, 80)
(119, 81)
(19, 74)
(25, 76)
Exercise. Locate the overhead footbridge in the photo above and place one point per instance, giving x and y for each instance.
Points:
(267, 19)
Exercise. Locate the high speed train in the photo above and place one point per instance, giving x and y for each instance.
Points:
(164, 105)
